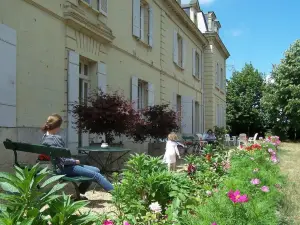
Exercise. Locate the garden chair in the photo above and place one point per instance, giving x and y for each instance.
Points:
(228, 140)
(242, 139)
(253, 139)
(201, 141)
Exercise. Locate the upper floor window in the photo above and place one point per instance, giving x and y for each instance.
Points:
(197, 63)
(179, 49)
(142, 21)
(217, 75)
(101, 5)
(222, 79)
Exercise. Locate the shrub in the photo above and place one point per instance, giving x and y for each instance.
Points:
(32, 199)
(106, 113)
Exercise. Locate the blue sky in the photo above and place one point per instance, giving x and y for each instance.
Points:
(256, 31)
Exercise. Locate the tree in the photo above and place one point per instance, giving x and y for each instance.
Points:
(281, 100)
(244, 91)
(106, 113)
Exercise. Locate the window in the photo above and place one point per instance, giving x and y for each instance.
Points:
(142, 22)
(187, 11)
(221, 79)
(179, 50)
(197, 64)
(88, 1)
(103, 6)
(84, 85)
(142, 94)
(217, 75)
(197, 117)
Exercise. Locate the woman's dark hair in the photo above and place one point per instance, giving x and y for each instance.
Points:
(209, 130)
(54, 121)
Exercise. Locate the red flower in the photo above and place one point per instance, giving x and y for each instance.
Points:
(43, 157)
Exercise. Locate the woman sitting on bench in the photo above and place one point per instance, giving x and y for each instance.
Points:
(68, 166)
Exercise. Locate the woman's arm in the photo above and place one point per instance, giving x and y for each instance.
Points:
(176, 150)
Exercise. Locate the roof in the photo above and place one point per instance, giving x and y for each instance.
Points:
(192, 3)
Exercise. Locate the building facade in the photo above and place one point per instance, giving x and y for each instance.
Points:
(53, 53)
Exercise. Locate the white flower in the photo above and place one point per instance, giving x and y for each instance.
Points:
(208, 193)
(155, 207)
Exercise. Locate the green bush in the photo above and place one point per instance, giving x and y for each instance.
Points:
(29, 198)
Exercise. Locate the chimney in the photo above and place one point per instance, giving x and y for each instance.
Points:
(212, 23)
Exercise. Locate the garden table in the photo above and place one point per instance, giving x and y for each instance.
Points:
(105, 163)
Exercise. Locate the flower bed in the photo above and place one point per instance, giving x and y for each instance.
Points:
(243, 187)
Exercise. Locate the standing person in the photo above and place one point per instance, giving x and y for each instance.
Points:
(171, 152)
(68, 166)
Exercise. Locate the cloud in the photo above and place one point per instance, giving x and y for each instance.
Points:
(236, 32)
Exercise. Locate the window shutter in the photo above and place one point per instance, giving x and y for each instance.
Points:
(73, 95)
(174, 103)
(101, 76)
(184, 43)
(217, 74)
(202, 69)
(187, 115)
(134, 91)
(103, 6)
(201, 119)
(175, 47)
(150, 38)
(200, 65)
(194, 116)
(136, 18)
(142, 23)
(194, 62)
(8, 65)
(150, 94)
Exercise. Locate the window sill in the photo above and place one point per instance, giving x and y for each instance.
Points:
(197, 78)
(140, 41)
(90, 8)
(178, 66)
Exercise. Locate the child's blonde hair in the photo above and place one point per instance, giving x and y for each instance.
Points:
(172, 136)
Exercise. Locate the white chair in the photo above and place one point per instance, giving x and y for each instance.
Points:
(201, 141)
(242, 139)
(234, 140)
(228, 140)
(253, 139)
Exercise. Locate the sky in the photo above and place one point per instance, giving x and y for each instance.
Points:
(256, 31)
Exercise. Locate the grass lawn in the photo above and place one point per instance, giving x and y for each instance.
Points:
(290, 165)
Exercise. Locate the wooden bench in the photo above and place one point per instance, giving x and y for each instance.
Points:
(50, 151)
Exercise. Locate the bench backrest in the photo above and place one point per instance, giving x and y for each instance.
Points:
(38, 149)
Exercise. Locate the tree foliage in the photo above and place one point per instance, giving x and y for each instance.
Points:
(281, 100)
(112, 114)
(244, 92)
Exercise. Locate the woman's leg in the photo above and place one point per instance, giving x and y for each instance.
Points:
(84, 186)
(87, 171)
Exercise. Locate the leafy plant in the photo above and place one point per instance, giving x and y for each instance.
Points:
(31, 198)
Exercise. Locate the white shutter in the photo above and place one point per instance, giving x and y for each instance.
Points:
(202, 69)
(103, 6)
(184, 43)
(101, 76)
(187, 114)
(134, 91)
(194, 62)
(201, 119)
(142, 24)
(73, 95)
(136, 18)
(194, 116)
(200, 65)
(150, 94)
(192, 15)
(175, 47)
(174, 103)
(150, 38)
(8, 65)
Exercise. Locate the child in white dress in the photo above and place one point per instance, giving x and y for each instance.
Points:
(171, 152)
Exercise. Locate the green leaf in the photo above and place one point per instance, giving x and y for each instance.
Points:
(55, 188)
(51, 180)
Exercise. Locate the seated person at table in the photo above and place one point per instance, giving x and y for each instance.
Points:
(210, 136)
(68, 166)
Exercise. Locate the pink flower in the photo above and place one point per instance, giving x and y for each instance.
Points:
(126, 223)
(108, 222)
(265, 189)
(274, 159)
(255, 170)
(208, 193)
(236, 197)
(214, 223)
(252, 158)
(255, 181)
